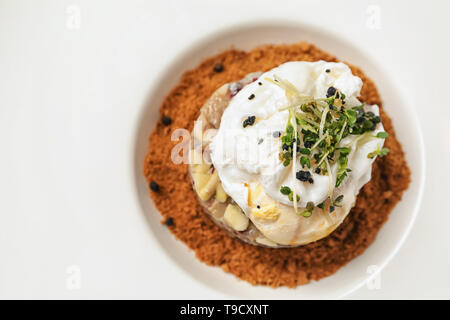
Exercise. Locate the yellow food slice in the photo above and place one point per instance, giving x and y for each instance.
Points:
(208, 190)
(268, 208)
(235, 218)
(269, 211)
(200, 180)
(201, 168)
(221, 196)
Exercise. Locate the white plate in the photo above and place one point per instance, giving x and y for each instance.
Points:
(76, 111)
(391, 236)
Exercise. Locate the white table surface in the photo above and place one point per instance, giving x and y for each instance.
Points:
(63, 89)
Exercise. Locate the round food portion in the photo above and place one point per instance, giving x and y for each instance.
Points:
(291, 198)
(182, 212)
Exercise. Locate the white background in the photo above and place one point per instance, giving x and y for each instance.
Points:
(65, 90)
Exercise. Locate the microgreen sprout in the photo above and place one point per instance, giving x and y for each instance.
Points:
(285, 190)
(313, 135)
(338, 201)
(304, 161)
(378, 152)
(288, 192)
(382, 135)
(308, 210)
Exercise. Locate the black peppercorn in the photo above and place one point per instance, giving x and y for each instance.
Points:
(331, 92)
(308, 144)
(251, 96)
(154, 186)
(327, 71)
(218, 68)
(169, 222)
(249, 121)
(166, 120)
(317, 170)
(311, 180)
(303, 175)
(260, 83)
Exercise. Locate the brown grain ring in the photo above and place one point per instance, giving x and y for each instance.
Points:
(257, 265)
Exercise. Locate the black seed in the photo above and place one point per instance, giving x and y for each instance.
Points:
(249, 121)
(154, 186)
(260, 83)
(166, 120)
(303, 175)
(328, 70)
(331, 208)
(317, 170)
(169, 222)
(218, 68)
(258, 206)
(276, 134)
(331, 92)
(251, 96)
(308, 144)
(310, 180)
